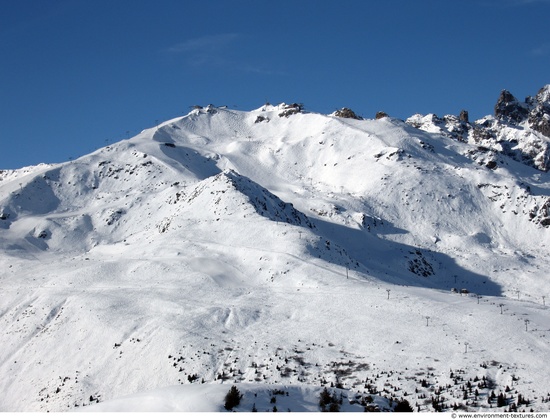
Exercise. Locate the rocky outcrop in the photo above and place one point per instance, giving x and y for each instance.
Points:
(518, 130)
(539, 117)
(509, 109)
(291, 109)
(535, 110)
(346, 113)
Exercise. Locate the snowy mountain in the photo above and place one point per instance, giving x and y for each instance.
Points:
(280, 251)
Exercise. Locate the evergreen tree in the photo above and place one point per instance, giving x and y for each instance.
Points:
(334, 407)
(232, 398)
(403, 406)
(501, 400)
(329, 402)
(325, 398)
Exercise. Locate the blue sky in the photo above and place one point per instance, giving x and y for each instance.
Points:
(76, 75)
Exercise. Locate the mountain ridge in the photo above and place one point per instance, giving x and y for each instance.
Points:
(519, 130)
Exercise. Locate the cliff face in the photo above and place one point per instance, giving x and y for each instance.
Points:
(520, 130)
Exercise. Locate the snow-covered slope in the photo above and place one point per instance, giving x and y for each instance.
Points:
(278, 250)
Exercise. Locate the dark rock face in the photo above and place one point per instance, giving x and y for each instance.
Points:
(540, 121)
(346, 113)
(491, 164)
(509, 109)
(418, 264)
(540, 214)
(536, 110)
(482, 133)
(463, 116)
(380, 115)
(539, 117)
(261, 119)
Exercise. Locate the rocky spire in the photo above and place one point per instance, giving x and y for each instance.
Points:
(509, 109)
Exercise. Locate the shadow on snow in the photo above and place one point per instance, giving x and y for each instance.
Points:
(394, 262)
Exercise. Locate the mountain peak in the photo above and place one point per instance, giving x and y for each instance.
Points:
(509, 108)
(229, 193)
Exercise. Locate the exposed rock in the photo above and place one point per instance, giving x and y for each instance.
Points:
(480, 133)
(418, 264)
(491, 164)
(539, 117)
(509, 109)
(540, 214)
(346, 113)
(540, 121)
(261, 119)
(292, 109)
(43, 234)
(517, 130)
(380, 115)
